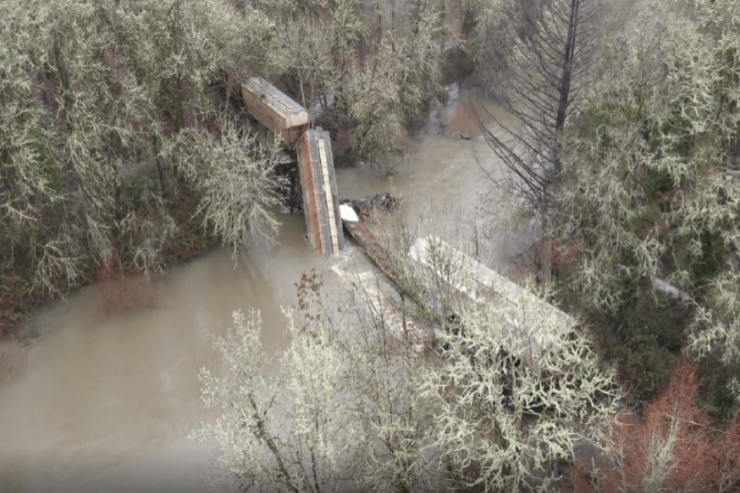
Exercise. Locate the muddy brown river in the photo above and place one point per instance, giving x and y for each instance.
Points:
(104, 402)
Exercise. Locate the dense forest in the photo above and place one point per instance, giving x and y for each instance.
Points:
(123, 150)
(120, 152)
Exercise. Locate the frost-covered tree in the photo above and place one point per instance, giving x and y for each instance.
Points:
(359, 403)
(648, 210)
(338, 408)
(236, 180)
(506, 410)
(276, 428)
(369, 66)
(93, 96)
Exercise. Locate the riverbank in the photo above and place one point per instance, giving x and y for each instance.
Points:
(19, 300)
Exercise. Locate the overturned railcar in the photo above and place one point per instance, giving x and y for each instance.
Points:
(275, 110)
(319, 185)
(480, 284)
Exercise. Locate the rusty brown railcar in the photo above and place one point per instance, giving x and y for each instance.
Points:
(275, 110)
(320, 201)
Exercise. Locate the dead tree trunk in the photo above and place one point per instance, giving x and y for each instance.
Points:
(548, 70)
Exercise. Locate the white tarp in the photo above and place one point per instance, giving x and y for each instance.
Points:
(347, 213)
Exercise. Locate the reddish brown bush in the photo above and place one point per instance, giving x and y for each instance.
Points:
(12, 359)
(9, 307)
(116, 293)
(705, 456)
(561, 255)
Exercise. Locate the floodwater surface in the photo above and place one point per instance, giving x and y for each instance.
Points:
(104, 401)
